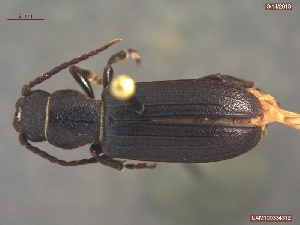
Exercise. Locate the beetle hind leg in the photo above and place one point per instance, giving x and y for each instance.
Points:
(230, 79)
(96, 150)
(140, 165)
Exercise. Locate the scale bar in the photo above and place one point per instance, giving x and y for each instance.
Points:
(25, 19)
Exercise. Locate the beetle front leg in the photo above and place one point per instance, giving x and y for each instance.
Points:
(121, 56)
(81, 77)
(23, 141)
(92, 77)
(27, 87)
(96, 150)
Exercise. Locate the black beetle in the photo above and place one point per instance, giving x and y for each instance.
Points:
(213, 118)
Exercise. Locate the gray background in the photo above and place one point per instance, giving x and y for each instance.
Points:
(176, 39)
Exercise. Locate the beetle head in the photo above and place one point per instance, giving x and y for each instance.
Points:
(30, 115)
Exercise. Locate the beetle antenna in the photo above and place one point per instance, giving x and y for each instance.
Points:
(27, 87)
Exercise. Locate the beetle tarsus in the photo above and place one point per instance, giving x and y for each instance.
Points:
(140, 166)
(96, 150)
(123, 55)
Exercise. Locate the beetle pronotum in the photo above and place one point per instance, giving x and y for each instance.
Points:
(213, 118)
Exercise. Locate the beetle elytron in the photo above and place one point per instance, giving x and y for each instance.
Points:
(213, 118)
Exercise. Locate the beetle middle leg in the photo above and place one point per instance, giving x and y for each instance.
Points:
(96, 150)
(83, 76)
(121, 56)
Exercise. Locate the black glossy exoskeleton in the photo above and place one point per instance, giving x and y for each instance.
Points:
(213, 118)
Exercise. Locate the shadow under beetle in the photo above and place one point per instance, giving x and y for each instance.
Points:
(213, 118)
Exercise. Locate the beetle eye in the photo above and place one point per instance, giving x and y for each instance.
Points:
(18, 114)
(17, 120)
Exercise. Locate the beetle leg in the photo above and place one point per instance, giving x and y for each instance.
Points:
(23, 140)
(121, 56)
(123, 88)
(233, 80)
(230, 79)
(27, 87)
(96, 150)
(81, 77)
(142, 165)
(240, 82)
(92, 77)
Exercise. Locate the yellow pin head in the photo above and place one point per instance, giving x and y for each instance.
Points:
(122, 87)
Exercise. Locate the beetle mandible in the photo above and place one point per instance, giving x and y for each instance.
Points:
(209, 119)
